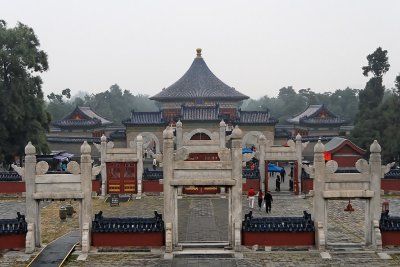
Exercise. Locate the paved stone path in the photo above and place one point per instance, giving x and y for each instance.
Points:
(54, 253)
(202, 219)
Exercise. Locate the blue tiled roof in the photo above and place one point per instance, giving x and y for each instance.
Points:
(310, 116)
(255, 117)
(145, 118)
(200, 113)
(199, 83)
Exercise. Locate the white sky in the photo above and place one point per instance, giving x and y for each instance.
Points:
(255, 46)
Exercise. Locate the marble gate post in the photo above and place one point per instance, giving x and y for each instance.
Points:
(318, 200)
(32, 206)
(376, 174)
(236, 195)
(262, 144)
(103, 151)
(86, 206)
(139, 170)
(169, 191)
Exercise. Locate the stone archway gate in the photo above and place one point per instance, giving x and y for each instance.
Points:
(292, 152)
(178, 173)
(42, 186)
(329, 185)
(132, 155)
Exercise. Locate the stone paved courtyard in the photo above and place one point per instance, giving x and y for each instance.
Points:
(283, 205)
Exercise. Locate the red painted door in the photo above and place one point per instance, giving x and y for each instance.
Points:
(122, 177)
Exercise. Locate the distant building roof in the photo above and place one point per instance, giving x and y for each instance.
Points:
(337, 143)
(118, 134)
(199, 83)
(255, 117)
(145, 118)
(82, 117)
(317, 115)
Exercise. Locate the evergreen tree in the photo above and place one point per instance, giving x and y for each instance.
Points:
(23, 116)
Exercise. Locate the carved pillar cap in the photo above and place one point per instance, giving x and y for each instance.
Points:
(103, 138)
(319, 147)
(298, 137)
(375, 147)
(30, 149)
(179, 124)
(222, 124)
(261, 138)
(237, 133)
(168, 133)
(85, 148)
(139, 138)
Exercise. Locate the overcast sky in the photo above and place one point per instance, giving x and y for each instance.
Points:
(255, 46)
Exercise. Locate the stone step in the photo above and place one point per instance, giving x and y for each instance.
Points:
(201, 245)
(204, 253)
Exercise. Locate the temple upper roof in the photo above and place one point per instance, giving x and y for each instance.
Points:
(317, 115)
(199, 83)
(82, 117)
(200, 114)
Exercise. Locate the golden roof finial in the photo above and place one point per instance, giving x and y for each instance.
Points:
(198, 50)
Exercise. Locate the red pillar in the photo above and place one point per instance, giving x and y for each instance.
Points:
(296, 178)
(266, 176)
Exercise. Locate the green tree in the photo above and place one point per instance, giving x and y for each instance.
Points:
(369, 123)
(23, 116)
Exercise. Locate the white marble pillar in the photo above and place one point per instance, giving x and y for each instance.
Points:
(376, 174)
(179, 135)
(222, 129)
(169, 191)
(103, 153)
(86, 184)
(139, 171)
(32, 206)
(318, 200)
(299, 162)
(262, 145)
(236, 208)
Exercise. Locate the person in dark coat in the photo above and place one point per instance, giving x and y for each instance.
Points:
(260, 199)
(268, 200)
(278, 183)
(283, 173)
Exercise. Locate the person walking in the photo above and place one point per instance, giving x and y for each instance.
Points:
(260, 199)
(278, 183)
(283, 173)
(268, 200)
(250, 196)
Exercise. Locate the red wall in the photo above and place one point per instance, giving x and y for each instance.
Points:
(12, 187)
(152, 186)
(152, 239)
(346, 161)
(255, 183)
(390, 185)
(278, 238)
(19, 187)
(12, 241)
(390, 238)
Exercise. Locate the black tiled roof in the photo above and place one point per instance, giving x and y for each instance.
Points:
(10, 176)
(77, 123)
(199, 83)
(67, 139)
(255, 117)
(200, 113)
(145, 118)
(118, 134)
(282, 133)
